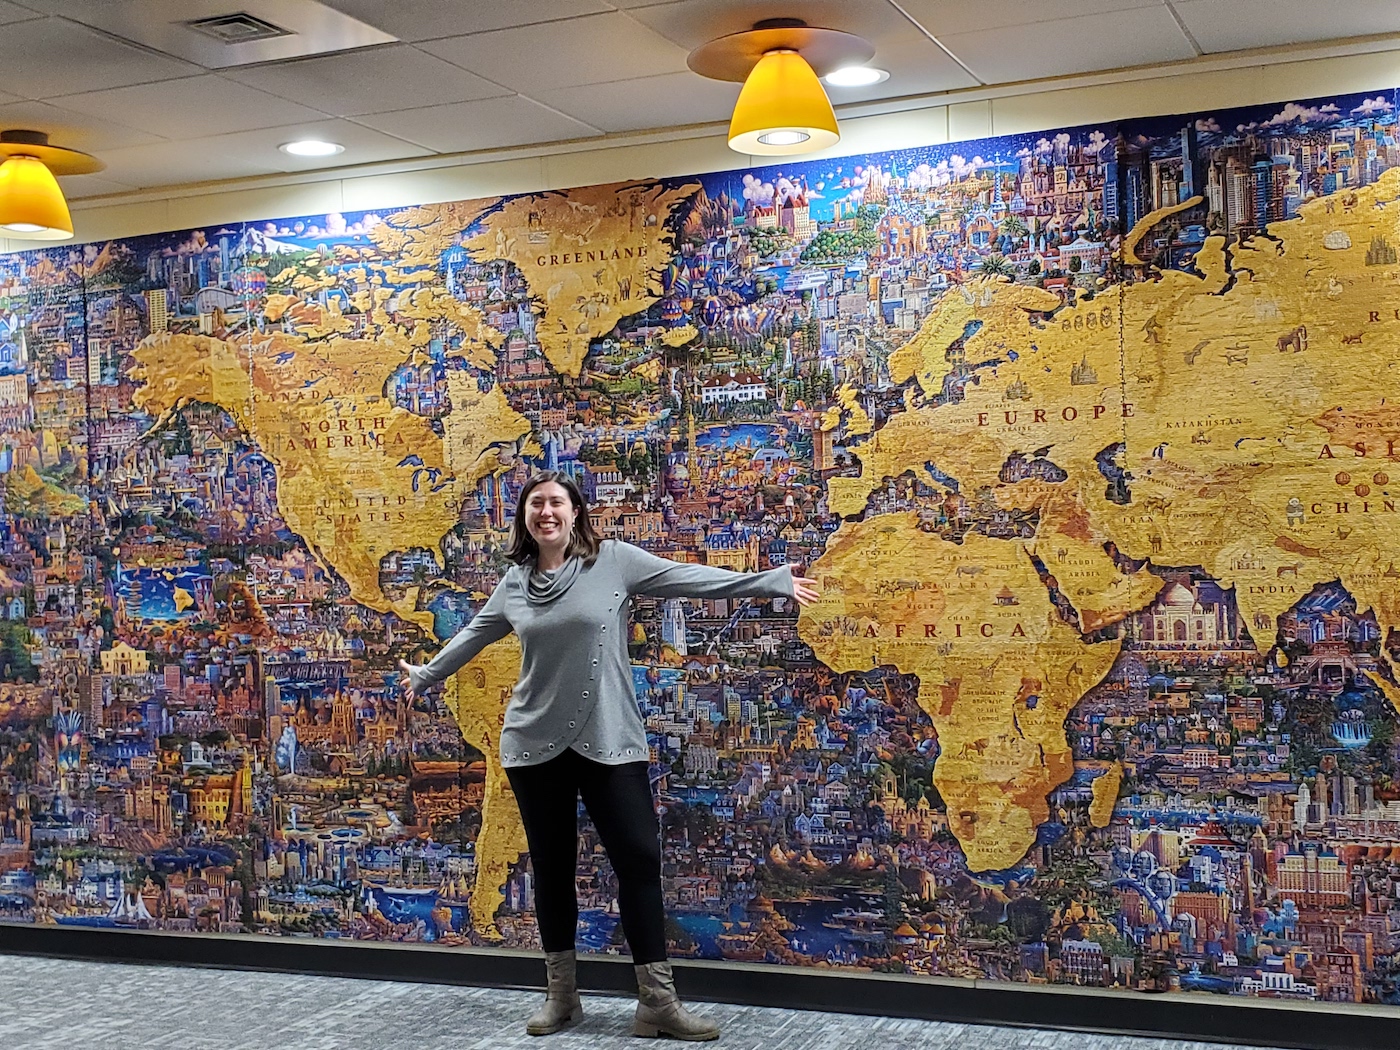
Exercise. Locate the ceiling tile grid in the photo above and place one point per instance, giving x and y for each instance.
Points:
(472, 75)
(372, 80)
(1234, 25)
(490, 123)
(197, 106)
(1137, 36)
(590, 49)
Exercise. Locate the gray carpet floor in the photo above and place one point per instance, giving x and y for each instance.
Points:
(55, 1003)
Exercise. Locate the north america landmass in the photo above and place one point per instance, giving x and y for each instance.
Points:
(360, 477)
(1235, 416)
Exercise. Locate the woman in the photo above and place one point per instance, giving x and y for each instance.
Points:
(572, 728)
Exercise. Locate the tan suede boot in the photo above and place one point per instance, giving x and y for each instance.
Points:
(659, 1009)
(561, 1003)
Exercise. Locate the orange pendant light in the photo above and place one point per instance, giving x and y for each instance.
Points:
(32, 206)
(783, 108)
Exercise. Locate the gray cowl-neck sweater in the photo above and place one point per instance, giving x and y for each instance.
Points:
(575, 687)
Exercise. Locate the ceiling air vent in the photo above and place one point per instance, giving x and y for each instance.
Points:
(238, 28)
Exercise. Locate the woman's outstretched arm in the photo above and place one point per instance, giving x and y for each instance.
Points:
(487, 626)
(648, 574)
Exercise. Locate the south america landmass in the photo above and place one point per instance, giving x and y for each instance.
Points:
(477, 696)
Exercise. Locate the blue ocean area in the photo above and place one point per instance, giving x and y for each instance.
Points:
(403, 906)
(645, 677)
(753, 435)
(452, 610)
(151, 594)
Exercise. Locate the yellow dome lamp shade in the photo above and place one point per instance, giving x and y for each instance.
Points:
(782, 109)
(32, 207)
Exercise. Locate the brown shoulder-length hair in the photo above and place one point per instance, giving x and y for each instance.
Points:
(583, 542)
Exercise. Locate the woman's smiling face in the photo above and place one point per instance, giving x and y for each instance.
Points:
(549, 515)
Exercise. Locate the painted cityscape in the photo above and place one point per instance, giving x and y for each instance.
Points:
(1088, 436)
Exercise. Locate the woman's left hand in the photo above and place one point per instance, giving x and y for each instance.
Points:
(804, 590)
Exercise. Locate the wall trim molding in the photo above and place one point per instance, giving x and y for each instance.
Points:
(1253, 1022)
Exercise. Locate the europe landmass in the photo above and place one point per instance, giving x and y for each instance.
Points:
(1248, 425)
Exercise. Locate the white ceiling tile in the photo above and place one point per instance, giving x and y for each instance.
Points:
(594, 49)
(915, 63)
(309, 27)
(916, 66)
(46, 57)
(429, 19)
(943, 17)
(647, 102)
(486, 124)
(192, 107)
(376, 80)
(1048, 49)
(247, 153)
(74, 130)
(363, 145)
(175, 163)
(1232, 25)
(76, 187)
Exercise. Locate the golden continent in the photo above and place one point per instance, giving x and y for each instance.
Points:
(357, 476)
(1246, 406)
(587, 255)
(477, 696)
(999, 670)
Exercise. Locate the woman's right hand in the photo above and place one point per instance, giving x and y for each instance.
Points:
(407, 670)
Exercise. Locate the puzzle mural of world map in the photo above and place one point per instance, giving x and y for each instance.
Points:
(1091, 437)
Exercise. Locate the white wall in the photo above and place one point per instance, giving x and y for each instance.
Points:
(1267, 76)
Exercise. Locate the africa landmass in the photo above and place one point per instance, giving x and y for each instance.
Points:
(1247, 426)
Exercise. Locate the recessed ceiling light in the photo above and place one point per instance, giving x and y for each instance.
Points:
(857, 76)
(311, 148)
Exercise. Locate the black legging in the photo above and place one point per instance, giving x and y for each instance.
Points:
(618, 800)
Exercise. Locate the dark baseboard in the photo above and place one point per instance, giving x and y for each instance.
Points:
(1256, 1022)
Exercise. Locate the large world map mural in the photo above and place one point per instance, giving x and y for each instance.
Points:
(1091, 437)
